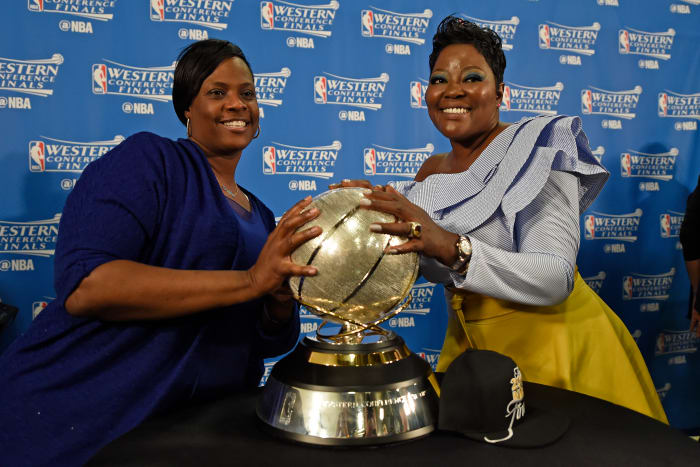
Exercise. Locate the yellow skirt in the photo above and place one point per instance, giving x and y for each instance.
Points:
(580, 345)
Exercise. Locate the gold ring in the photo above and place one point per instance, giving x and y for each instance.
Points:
(415, 230)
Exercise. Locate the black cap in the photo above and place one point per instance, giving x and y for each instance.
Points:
(482, 398)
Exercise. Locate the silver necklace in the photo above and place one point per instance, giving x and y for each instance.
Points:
(231, 193)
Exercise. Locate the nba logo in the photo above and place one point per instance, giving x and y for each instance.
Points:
(157, 10)
(320, 94)
(626, 164)
(370, 161)
(99, 78)
(269, 160)
(663, 104)
(627, 285)
(505, 103)
(589, 226)
(267, 15)
(367, 23)
(624, 40)
(587, 101)
(544, 36)
(35, 5)
(665, 223)
(37, 156)
(416, 95)
(38, 307)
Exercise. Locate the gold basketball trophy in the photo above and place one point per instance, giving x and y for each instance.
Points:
(335, 389)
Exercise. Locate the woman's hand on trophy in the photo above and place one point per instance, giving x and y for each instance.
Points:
(424, 235)
(274, 264)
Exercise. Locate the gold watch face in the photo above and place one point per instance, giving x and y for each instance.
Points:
(465, 247)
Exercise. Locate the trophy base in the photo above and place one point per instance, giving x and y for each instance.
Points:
(350, 394)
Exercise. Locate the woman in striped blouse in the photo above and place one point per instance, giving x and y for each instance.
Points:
(496, 220)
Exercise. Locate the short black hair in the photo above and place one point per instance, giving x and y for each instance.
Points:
(454, 30)
(197, 61)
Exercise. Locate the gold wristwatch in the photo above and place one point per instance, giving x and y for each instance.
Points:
(464, 254)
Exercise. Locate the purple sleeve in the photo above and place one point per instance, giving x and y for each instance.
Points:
(111, 213)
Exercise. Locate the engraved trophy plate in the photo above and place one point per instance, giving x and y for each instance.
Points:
(337, 390)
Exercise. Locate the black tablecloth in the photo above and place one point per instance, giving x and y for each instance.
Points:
(227, 432)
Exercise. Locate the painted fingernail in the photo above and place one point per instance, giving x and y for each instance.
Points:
(345, 180)
(375, 227)
(378, 187)
(365, 202)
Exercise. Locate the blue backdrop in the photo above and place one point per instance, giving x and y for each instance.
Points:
(341, 88)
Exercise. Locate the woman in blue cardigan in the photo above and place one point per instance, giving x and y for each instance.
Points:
(170, 279)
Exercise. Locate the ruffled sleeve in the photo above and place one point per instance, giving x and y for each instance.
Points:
(510, 173)
(560, 145)
(520, 202)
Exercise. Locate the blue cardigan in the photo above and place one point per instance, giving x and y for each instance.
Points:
(70, 385)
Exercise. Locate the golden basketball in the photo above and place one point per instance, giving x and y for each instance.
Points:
(357, 280)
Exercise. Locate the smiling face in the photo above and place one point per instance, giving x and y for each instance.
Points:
(224, 114)
(463, 96)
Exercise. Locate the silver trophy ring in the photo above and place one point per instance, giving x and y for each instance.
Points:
(415, 230)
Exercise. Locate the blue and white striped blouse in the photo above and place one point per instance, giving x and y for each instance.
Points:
(520, 204)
